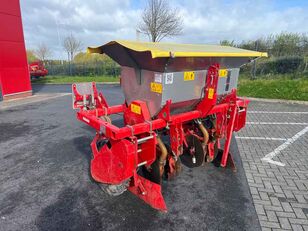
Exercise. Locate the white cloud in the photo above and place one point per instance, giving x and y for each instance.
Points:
(205, 21)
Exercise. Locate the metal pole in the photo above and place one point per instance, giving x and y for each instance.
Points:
(254, 67)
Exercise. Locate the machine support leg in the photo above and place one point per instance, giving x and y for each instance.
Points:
(229, 137)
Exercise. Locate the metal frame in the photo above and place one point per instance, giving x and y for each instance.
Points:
(135, 144)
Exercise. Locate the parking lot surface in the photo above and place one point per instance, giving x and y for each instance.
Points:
(45, 181)
(274, 150)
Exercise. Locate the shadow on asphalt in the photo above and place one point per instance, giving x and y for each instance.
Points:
(203, 198)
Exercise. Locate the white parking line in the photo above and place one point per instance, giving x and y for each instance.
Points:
(278, 112)
(268, 158)
(259, 138)
(277, 123)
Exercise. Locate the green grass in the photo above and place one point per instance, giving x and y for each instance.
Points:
(75, 79)
(275, 88)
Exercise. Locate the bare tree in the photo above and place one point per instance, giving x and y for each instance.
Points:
(42, 52)
(159, 20)
(71, 45)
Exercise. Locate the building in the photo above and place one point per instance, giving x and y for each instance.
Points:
(14, 74)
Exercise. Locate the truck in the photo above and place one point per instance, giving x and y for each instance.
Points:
(37, 70)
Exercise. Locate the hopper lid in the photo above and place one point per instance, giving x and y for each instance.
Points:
(153, 55)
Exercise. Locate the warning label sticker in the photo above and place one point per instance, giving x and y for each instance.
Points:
(189, 75)
(211, 93)
(158, 78)
(223, 73)
(156, 87)
(135, 108)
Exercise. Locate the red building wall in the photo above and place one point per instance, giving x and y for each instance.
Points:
(14, 73)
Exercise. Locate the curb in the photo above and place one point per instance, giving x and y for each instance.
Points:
(277, 101)
(36, 98)
(101, 83)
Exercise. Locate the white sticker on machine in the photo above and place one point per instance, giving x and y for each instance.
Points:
(158, 78)
(169, 78)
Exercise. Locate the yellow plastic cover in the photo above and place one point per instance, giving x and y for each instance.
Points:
(160, 50)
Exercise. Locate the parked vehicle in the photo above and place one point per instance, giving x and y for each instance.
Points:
(37, 70)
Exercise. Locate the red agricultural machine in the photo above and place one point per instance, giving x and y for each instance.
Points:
(37, 69)
(180, 103)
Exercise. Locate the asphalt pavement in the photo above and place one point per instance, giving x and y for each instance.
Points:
(45, 182)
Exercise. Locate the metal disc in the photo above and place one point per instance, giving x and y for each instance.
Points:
(152, 173)
(193, 155)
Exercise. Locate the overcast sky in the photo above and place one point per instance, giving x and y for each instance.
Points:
(95, 22)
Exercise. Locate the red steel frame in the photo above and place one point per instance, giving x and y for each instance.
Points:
(230, 113)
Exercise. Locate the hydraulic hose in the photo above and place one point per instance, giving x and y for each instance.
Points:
(163, 155)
